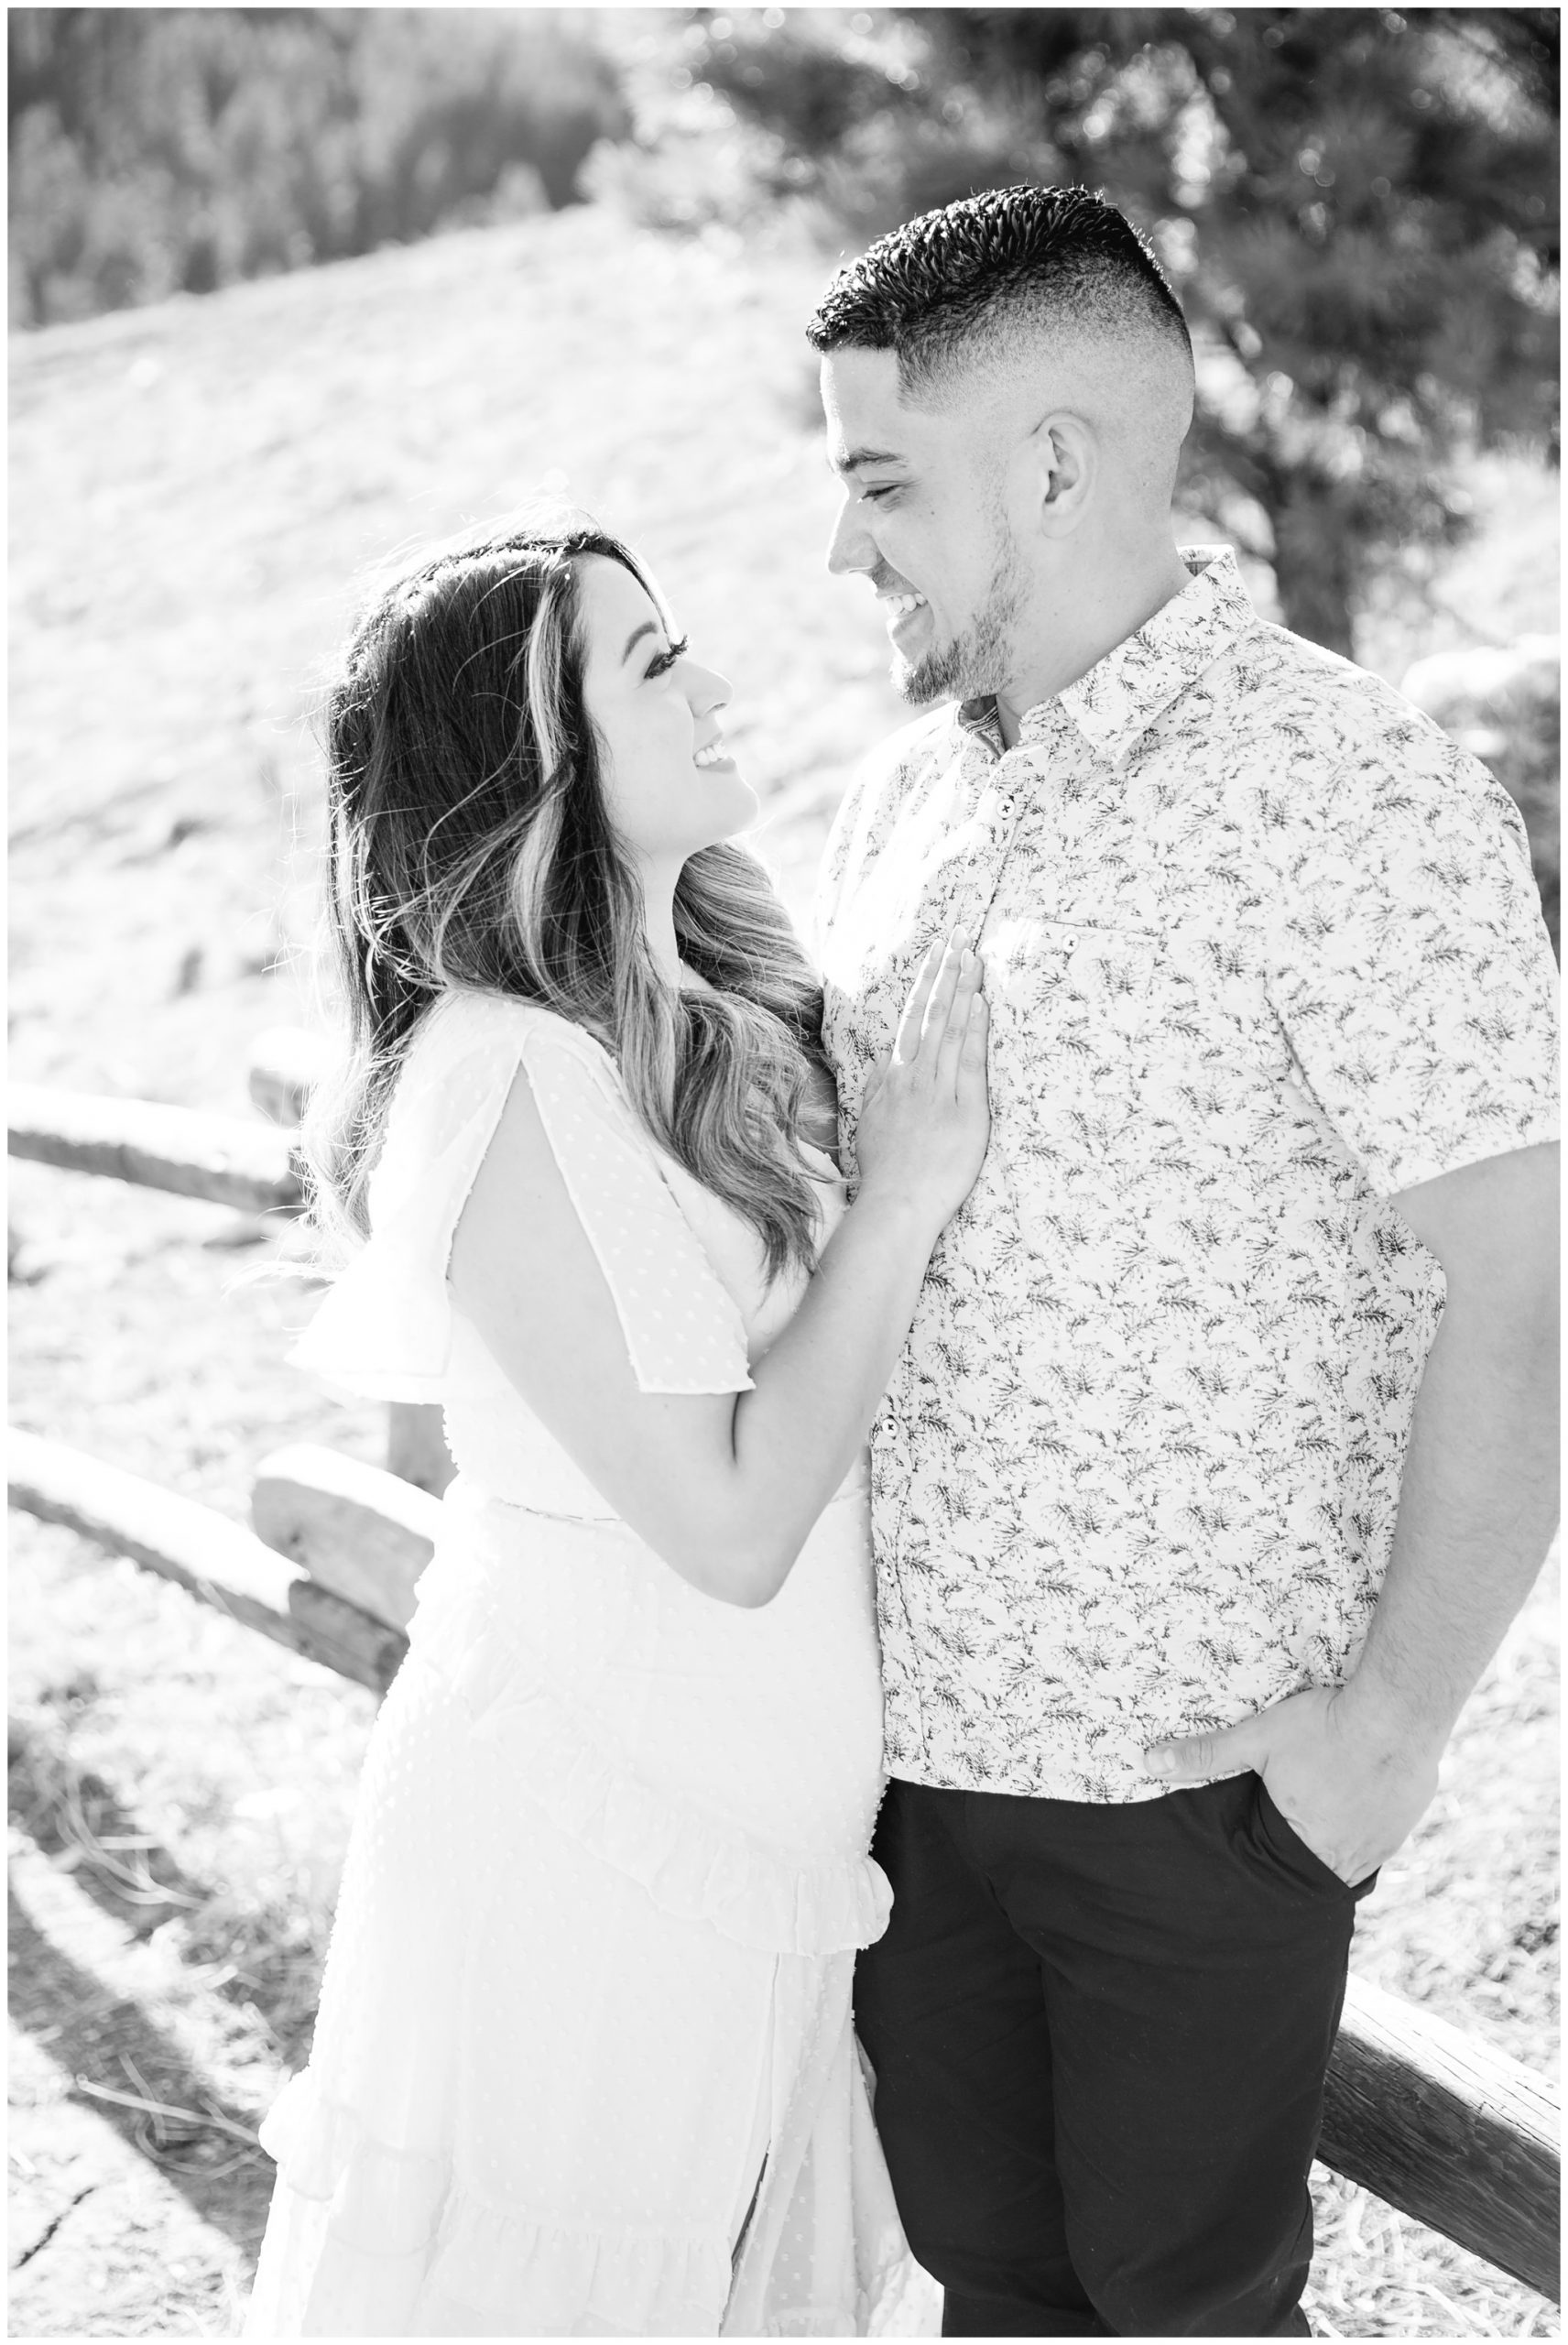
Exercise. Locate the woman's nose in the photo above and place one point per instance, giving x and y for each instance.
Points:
(706, 689)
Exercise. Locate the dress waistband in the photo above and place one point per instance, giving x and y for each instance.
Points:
(467, 1497)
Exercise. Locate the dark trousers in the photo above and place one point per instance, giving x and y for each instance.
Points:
(1100, 2035)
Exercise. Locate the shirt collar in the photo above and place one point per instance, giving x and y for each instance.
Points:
(1121, 694)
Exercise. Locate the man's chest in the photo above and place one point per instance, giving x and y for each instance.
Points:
(1123, 918)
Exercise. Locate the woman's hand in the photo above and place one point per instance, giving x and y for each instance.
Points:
(726, 1486)
(926, 1117)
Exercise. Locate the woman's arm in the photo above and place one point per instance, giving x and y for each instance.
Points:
(725, 1486)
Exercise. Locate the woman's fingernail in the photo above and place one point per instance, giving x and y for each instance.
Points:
(1160, 1761)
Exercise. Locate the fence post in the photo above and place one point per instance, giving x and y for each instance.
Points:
(415, 1445)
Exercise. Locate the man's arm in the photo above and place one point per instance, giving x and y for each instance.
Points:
(1352, 1768)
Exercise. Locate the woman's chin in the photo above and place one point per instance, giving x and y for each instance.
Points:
(736, 807)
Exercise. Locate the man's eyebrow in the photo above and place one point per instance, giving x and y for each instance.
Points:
(854, 458)
(649, 626)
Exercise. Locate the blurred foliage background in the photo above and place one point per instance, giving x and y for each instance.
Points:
(174, 150)
(1358, 208)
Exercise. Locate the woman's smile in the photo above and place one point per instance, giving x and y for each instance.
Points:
(714, 757)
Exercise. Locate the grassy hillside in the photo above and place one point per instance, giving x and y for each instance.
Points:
(195, 491)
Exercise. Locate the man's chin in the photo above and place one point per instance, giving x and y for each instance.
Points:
(920, 682)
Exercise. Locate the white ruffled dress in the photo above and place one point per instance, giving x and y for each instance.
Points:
(583, 2065)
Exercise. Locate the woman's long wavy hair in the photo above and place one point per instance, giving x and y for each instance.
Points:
(470, 846)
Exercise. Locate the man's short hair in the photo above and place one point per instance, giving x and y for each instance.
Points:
(940, 288)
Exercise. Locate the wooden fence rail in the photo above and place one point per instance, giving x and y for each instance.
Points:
(1441, 2128)
(364, 1535)
(223, 1158)
(1445, 2129)
(1438, 2125)
(218, 1561)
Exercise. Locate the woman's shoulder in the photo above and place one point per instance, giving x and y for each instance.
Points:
(470, 1019)
(463, 1058)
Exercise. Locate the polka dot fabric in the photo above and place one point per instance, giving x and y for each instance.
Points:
(583, 2065)
(386, 1327)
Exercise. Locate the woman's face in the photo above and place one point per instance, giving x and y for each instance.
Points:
(670, 784)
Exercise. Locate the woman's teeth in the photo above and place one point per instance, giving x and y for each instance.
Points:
(715, 754)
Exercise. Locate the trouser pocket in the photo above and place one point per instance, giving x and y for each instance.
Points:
(1274, 1840)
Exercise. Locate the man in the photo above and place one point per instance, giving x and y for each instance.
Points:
(1194, 1531)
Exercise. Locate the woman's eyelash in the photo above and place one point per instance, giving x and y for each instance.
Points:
(871, 496)
(662, 661)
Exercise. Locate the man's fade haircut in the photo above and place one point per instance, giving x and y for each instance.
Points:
(939, 289)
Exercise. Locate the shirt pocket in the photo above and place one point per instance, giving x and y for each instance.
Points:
(1070, 995)
(1218, 1070)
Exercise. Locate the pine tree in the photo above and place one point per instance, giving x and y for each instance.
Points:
(1357, 207)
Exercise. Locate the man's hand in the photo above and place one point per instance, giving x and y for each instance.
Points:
(1351, 1792)
(1352, 1768)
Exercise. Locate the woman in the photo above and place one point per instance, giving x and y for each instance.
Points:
(583, 2065)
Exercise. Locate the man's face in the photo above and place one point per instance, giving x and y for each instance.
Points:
(922, 519)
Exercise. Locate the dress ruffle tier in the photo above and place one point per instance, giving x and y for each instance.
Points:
(391, 2239)
(695, 1867)
(381, 2229)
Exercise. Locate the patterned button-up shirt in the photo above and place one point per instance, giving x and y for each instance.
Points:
(1262, 949)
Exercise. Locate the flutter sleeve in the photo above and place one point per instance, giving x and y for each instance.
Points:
(386, 1327)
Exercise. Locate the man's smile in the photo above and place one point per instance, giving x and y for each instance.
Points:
(900, 607)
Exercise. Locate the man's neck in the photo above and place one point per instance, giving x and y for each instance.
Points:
(1074, 631)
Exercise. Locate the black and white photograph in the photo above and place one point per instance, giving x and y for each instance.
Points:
(783, 1131)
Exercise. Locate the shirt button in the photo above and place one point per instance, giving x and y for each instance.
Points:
(1006, 807)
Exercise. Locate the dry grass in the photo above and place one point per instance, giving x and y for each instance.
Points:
(121, 1686)
(194, 489)
(1464, 1921)
(180, 1800)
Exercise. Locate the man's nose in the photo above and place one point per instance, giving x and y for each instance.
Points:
(851, 547)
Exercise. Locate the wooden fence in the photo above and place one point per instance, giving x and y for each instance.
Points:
(1439, 2126)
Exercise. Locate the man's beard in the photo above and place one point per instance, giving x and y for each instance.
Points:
(978, 659)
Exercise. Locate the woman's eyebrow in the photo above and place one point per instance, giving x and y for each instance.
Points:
(649, 626)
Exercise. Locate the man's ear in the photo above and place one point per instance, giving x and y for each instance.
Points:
(1060, 461)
